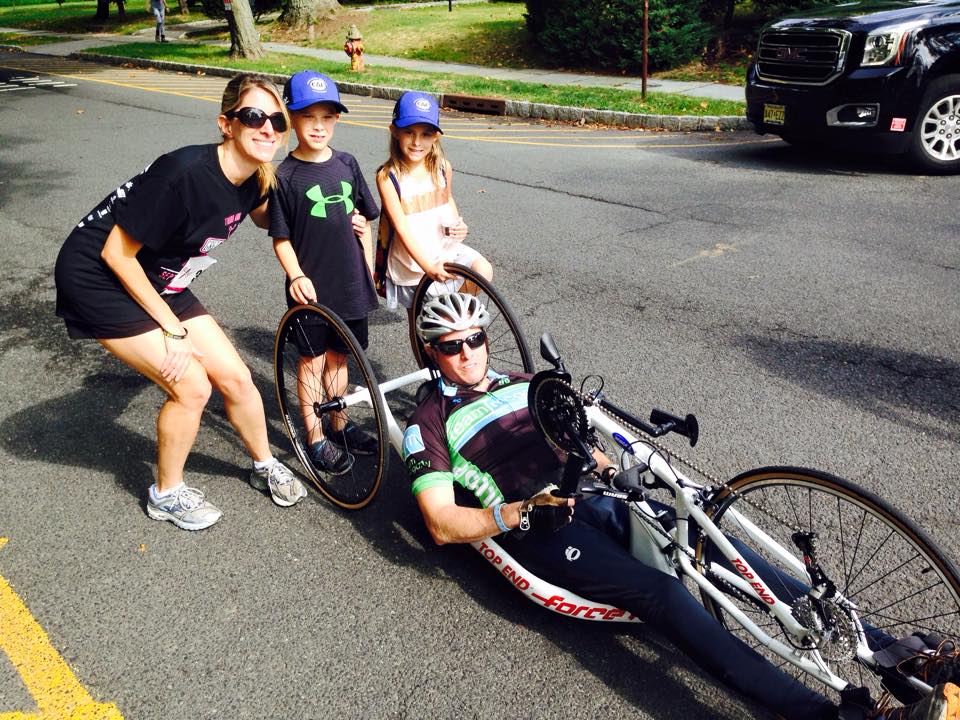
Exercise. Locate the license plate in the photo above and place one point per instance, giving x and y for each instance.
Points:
(774, 114)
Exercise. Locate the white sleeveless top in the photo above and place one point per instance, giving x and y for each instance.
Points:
(427, 207)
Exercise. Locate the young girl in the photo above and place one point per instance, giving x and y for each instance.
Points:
(420, 224)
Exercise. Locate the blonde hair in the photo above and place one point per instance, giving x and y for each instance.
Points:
(435, 159)
(235, 89)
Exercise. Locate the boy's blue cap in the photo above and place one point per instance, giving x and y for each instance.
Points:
(307, 88)
(417, 107)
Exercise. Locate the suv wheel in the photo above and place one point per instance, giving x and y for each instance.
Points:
(935, 145)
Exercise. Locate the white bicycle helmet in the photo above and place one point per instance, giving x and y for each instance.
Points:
(450, 313)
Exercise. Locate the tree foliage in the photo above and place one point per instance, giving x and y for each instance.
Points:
(608, 33)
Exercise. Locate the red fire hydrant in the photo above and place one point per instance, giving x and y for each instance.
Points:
(354, 48)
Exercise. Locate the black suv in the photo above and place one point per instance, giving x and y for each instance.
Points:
(877, 76)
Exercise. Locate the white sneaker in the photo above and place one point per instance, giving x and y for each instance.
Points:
(185, 508)
(284, 487)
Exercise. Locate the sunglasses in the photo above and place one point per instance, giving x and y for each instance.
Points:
(453, 347)
(256, 118)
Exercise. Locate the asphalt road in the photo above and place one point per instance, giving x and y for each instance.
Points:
(804, 307)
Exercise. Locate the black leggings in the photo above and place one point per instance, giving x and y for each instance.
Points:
(605, 571)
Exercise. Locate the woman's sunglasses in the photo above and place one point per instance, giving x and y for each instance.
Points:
(453, 347)
(256, 118)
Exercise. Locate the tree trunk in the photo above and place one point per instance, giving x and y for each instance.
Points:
(306, 13)
(103, 10)
(244, 38)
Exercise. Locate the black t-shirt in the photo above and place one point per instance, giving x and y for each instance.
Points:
(483, 442)
(180, 208)
(312, 207)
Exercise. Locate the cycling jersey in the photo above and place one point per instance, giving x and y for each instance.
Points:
(444, 445)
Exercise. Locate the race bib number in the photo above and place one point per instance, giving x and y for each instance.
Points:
(190, 271)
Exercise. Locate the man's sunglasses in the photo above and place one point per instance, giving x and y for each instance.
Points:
(453, 347)
(256, 118)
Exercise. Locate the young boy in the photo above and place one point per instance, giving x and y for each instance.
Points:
(319, 221)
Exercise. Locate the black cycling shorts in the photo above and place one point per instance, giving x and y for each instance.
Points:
(315, 336)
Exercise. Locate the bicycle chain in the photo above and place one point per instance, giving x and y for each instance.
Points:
(717, 484)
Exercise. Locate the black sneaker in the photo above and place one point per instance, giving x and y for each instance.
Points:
(328, 458)
(354, 439)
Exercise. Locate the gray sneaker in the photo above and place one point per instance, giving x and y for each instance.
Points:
(285, 489)
(185, 508)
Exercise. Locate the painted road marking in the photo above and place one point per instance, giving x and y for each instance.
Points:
(376, 113)
(49, 680)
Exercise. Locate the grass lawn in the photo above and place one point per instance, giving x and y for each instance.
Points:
(487, 34)
(601, 98)
(22, 40)
(77, 17)
(491, 34)
(729, 72)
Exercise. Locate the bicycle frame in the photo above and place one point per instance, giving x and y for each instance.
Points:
(675, 552)
(668, 554)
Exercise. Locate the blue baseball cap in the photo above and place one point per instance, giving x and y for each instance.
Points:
(417, 107)
(307, 88)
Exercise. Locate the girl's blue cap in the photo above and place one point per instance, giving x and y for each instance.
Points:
(308, 88)
(417, 107)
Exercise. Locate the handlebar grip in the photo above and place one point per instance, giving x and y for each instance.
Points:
(629, 479)
(549, 352)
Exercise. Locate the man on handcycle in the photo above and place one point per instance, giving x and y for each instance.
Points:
(480, 468)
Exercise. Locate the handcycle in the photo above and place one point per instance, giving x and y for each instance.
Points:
(811, 570)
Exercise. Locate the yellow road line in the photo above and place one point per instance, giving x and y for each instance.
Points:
(54, 688)
(578, 137)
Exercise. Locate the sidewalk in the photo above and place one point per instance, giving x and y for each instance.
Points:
(80, 43)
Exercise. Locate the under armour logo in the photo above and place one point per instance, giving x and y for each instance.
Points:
(572, 553)
(320, 209)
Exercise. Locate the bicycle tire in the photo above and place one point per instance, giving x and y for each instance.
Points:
(298, 386)
(508, 349)
(919, 580)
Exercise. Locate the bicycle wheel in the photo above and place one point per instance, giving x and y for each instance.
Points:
(507, 347)
(318, 392)
(898, 580)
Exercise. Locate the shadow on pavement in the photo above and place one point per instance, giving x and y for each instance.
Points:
(895, 385)
(780, 157)
(97, 440)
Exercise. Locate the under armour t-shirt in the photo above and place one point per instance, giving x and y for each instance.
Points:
(312, 207)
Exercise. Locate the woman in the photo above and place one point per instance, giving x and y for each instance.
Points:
(123, 275)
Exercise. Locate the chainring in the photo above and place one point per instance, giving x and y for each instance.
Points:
(558, 413)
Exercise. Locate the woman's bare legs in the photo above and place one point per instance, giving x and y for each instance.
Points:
(231, 377)
(179, 418)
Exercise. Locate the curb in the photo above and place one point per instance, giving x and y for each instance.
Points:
(514, 108)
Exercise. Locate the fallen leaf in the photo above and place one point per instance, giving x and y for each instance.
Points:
(142, 548)
(79, 111)
(703, 104)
